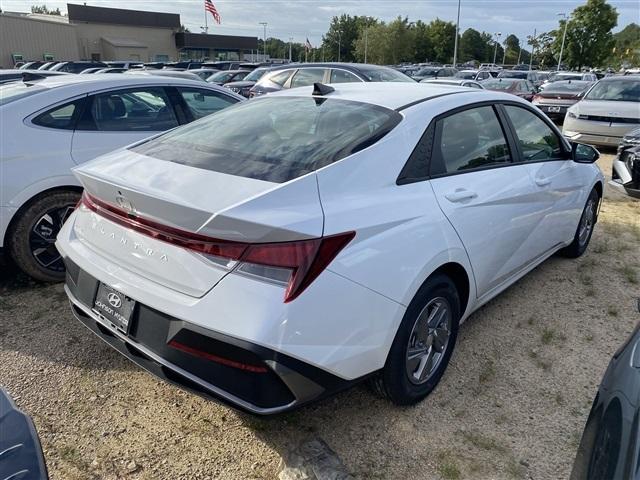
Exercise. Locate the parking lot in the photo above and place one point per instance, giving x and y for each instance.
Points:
(512, 404)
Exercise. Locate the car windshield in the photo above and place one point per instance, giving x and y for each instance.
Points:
(566, 86)
(567, 76)
(512, 74)
(14, 91)
(466, 75)
(500, 84)
(220, 77)
(428, 72)
(256, 74)
(275, 139)
(627, 90)
(382, 74)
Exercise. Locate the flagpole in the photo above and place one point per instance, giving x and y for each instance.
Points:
(206, 23)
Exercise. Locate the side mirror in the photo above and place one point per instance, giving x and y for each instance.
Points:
(581, 153)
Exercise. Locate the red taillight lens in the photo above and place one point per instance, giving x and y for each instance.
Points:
(305, 259)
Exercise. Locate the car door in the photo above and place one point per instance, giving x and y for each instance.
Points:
(116, 118)
(558, 182)
(484, 194)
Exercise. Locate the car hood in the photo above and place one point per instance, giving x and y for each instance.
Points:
(605, 108)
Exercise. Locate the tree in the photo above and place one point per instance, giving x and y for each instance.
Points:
(422, 46)
(472, 46)
(183, 29)
(442, 37)
(627, 47)
(512, 49)
(589, 40)
(43, 9)
(342, 34)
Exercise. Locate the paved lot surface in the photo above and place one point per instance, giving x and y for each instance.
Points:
(511, 405)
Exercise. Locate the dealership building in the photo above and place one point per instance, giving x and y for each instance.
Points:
(96, 33)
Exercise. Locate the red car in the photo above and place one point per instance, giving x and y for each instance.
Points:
(522, 88)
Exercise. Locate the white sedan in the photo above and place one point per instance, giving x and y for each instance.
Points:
(292, 245)
(54, 124)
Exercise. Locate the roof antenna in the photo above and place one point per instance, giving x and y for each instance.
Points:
(30, 77)
(321, 90)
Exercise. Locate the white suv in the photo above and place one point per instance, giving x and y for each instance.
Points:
(54, 124)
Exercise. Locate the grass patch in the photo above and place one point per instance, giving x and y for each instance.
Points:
(630, 274)
(612, 311)
(488, 372)
(483, 442)
(601, 248)
(515, 469)
(539, 362)
(547, 336)
(447, 467)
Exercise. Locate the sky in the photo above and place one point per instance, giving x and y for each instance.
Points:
(310, 19)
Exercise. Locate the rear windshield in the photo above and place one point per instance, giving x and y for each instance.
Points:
(616, 90)
(501, 84)
(569, 86)
(14, 91)
(383, 74)
(466, 75)
(512, 74)
(275, 139)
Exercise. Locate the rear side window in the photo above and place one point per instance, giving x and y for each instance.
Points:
(280, 78)
(61, 117)
(537, 140)
(307, 76)
(274, 138)
(342, 76)
(470, 139)
(132, 110)
(204, 102)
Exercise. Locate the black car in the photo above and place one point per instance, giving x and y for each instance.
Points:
(20, 451)
(301, 75)
(77, 67)
(626, 166)
(226, 76)
(530, 75)
(243, 87)
(434, 72)
(610, 444)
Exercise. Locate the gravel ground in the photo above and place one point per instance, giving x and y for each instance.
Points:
(511, 405)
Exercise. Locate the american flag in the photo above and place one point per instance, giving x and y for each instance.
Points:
(308, 45)
(210, 7)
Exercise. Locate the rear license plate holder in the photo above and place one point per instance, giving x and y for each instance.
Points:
(553, 109)
(115, 307)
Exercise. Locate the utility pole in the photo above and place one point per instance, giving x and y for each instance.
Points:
(264, 39)
(290, 40)
(339, 42)
(519, 53)
(533, 48)
(455, 44)
(495, 51)
(564, 35)
(504, 55)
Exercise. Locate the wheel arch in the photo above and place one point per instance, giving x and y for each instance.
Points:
(25, 205)
(459, 276)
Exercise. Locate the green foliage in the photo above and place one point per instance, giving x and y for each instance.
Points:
(45, 10)
(627, 47)
(589, 40)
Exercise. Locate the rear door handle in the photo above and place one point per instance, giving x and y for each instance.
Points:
(460, 195)
(543, 181)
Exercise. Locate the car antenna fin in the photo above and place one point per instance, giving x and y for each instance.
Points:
(30, 77)
(321, 90)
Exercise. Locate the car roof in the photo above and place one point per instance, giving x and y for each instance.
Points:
(105, 80)
(392, 95)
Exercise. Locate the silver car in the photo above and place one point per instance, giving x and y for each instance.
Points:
(609, 110)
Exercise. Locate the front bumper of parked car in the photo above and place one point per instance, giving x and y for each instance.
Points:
(626, 171)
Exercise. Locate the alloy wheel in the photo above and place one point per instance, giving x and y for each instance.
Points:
(587, 221)
(429, 340)
(42, 238)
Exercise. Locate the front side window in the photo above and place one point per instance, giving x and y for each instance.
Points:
(144, 109)
(342, 76)
(275, 139)
(61, 117)
(470, 139)
(204, 102)
(307, 76)
(537, 140)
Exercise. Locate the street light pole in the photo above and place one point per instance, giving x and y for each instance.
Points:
(455, 43)
(533, 48)
(264, 39)
(495, 51)
(339, 41)
(366, 43)
(564, 35)
(290, 40)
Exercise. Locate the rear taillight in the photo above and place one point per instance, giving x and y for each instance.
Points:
(292, 264)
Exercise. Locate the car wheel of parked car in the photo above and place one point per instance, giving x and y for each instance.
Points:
(32, 238)
(423, 344)
(585, 227)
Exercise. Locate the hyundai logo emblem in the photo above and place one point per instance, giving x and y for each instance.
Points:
(125, 204)
(114, 300)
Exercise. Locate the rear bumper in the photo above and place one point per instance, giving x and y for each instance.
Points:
(283, 384)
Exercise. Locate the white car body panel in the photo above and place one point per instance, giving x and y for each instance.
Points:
(344, 323)
(28, 169)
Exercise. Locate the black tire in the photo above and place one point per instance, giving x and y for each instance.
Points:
(393, 382)
(579, 244)
(24, 241)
